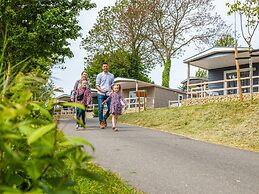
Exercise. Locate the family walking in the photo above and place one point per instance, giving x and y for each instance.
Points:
(107, 93)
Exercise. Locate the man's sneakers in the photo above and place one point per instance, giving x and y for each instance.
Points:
(102, 125)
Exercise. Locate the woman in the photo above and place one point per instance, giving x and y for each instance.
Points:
(78, 84)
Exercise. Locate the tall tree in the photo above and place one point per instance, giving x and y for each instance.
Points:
(121, 28)
(120, 65)
(36, 33)
(176, 24)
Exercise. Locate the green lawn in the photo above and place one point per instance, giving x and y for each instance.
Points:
(234, 124)
(109, 183)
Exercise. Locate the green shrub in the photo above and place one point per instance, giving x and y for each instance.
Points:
(33, 151)
(95, 111)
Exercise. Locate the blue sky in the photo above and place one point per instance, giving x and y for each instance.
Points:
(66, 78)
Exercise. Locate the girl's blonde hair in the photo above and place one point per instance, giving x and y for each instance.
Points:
(117, 85)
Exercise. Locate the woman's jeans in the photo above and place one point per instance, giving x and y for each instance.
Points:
(80, 113)
(102, 98)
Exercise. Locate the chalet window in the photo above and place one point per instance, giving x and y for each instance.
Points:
(231, 74)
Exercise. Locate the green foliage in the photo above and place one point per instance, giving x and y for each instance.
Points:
(95, 111)
(225, 41)
(248, 11)
(121, 65)
(33, 151)
(117, 38)
(35, 156)
(202, 73)
(34, 34)
(112, 184)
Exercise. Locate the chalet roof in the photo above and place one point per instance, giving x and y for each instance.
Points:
(127, 83)
(220, 57)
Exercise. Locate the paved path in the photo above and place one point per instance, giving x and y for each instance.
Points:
(158, 162)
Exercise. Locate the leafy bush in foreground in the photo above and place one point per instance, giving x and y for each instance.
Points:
(33, 152)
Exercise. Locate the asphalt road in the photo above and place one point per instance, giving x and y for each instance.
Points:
(160, 163)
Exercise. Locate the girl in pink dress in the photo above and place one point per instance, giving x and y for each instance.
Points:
(117, 103)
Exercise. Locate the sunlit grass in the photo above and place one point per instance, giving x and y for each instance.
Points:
(230, 123)
(111, 183)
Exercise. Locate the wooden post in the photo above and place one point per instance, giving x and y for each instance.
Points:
(204, 90)
(136, 94)
(144, 103)
(188, 79)
(238, 75)
(225, 87)
(251, 72)
(138, 104)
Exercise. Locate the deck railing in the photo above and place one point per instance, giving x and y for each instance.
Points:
(201, 90)
(174, 103)
(135, 103)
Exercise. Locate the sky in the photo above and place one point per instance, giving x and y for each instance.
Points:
(74, 66)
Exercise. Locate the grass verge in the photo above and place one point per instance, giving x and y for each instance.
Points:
(233, 124)
(109, 183)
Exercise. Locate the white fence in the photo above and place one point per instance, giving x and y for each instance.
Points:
(201, 90)
(174, 103)
(147, 102)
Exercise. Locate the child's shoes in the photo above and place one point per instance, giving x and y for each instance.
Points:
(115, 129)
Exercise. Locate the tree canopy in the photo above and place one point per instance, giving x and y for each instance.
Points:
(202, 73)
(120, 29)
(225, 40)
(36, 33)
(248, 12)
(119, 64)
(153, 32)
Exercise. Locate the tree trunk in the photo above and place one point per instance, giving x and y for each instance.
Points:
(238, 75)
(250, 71)
(166, 72)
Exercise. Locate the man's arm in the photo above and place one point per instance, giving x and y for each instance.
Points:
(100, 90)
(112, 81)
